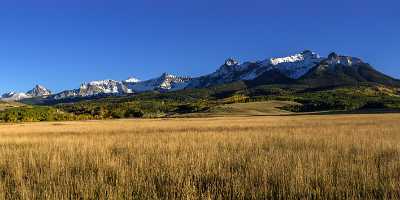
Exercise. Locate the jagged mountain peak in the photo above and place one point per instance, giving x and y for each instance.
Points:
(39, 91)
(165, 82)
(304, 56)
(8, 94)
(335, 59)
(230, 66)
(231, 62)
(294, 66)
(38, 86)
(333, 55)
(107, 86)
(14, 96)
(304, 67)
(92, 88)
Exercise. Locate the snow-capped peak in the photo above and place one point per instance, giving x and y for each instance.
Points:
(14, 96)
(300, 57)
(231, 62)
(296, 65)
(102, 87)
(132, 80)
(39, 91)
(164, 82)
(8, 94)
(293, 66)
(230, 66)
(100, 82)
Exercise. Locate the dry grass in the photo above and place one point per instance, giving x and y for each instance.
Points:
(261, 108)
(8, 105)
(296, 157)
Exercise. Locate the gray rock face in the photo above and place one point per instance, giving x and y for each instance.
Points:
(39, 91)
(166, 82)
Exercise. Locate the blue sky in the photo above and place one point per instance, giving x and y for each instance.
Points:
(62, 43)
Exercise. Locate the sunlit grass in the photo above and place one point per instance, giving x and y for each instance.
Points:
(297, 157)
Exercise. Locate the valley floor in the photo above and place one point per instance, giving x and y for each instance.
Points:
(354, 156)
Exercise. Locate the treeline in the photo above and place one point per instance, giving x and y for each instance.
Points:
(149, 105)
(108, 109)
(36, 114)
(154, 105)
(345, 99)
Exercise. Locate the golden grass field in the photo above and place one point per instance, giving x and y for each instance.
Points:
(8, 105)
(276, 157)
(261, 108)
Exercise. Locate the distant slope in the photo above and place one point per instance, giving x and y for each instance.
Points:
(254, 108)
(245, 109)
(7, 105)
(340, 75)
(271, 77)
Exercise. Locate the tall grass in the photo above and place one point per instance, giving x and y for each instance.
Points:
(302, 157)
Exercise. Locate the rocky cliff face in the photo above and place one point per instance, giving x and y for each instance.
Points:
(39, 91)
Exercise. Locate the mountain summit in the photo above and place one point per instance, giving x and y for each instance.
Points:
(166, 82)
(292, 67)
(296, 65)
(39, 91)
(306, 68)
(14, 96)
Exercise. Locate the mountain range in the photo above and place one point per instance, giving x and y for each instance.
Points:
(37, 91)
(305, 68)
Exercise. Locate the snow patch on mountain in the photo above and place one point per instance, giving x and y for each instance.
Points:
(39, 91)
(103, 87)
(132, 80)
(231, 62)
(14, 96)
(93, 88)
(296, 65)
(66, 94)
(166, 82)
(293, 66)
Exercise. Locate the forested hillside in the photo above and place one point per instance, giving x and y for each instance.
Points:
(156, 104)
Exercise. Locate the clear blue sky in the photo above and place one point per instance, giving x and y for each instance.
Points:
(65, 42)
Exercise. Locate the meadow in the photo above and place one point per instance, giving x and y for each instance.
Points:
(263, 157)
